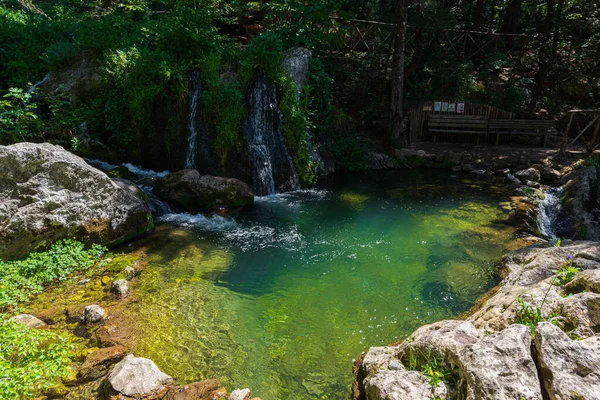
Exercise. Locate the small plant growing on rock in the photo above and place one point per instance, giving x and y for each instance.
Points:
(432, 367)
(566, 272)
(531, 316)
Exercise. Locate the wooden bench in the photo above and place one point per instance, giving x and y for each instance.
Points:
(458, 124)
(529, 127)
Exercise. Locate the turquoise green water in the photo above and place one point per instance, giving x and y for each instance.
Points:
(282, 297)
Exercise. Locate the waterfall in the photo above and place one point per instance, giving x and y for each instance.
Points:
(190, 159)
(548, 212)
(34, 87)
(272, 166)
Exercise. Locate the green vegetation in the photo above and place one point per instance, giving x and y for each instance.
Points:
(432, 366)
(32, 361)
(21, 279)
(531, 316)
(566, 272)
(18, 120)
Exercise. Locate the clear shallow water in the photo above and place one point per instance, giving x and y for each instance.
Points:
(283, 296)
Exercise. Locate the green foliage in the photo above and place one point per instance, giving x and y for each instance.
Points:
(223, 106)
(565, 272)
(531, 316)
(31, 360)
(432, 366)
(22, 278)
(18, 120)
(350, 151)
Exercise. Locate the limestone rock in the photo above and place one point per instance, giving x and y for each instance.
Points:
(570, 369)
(120, 288)
(588, 281)
(582, 314)
(403, 154)
(138, 377)
(510, 178)
(129, 272)
(533, 184)
(189, 191)
(501, 367)
(240, 394)
(530, 174)
(401, 385)
(93, 313)
(29, 321)
(581, 194)
(378, 358)
(295, 62)
(50, 194)
(97, 364)
(444, 338)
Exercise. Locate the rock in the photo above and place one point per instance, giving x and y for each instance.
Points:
(588, 281)
(240, 394)
(296, 62)
(533, 184)
(29, 321)
(189, 191)
(379, 161)
(551, 175)
(403, 154)
(120, 288)
(569, 369)
(92, 314)
(510, 178)
(467, 168)
(502, 172)
(444, 338)
(139, 377)
(500, 366)
(79, 79)
(401, 385)
(378, 358)
(50, 194)
(205, 390)
(580, 198)
(97, 364)
(129, 272)
(530, 174)
(479, 172)
(456, 168)
(582, 314)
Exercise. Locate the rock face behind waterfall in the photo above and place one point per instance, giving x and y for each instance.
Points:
(272, 166)
(188, 191)
(50, 194)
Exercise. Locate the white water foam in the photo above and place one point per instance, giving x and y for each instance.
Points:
(145, 173)
(214, 223)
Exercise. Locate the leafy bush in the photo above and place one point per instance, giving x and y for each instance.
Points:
(22, 278)
(18, 120)
(31, 360)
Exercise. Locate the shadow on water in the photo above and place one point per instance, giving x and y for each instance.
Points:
(281, 297)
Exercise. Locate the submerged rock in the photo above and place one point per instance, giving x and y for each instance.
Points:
(49, 194)
(120, 288)
(209, 389)
(240, 394)
(139, 377)
(379, 161)
(189, 191)
(29, 321)
(569, 369)
(97, 364)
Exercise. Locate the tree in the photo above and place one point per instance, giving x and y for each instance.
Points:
(396, 114)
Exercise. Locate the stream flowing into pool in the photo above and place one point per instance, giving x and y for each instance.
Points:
(282, 297)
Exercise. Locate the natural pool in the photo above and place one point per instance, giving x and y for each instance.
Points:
(283, 296)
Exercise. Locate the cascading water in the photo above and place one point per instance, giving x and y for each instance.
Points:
(190, 159)
(548, 212)
(273, 168)
(36, 85)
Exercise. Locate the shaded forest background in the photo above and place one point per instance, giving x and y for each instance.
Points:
(120, 70)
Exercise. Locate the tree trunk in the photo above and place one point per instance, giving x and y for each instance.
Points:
(477, 15)
(511, 17)
(396, 114)
(544, 56)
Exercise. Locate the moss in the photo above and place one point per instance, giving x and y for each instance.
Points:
(121, 172)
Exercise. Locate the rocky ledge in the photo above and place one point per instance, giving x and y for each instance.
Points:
(537, 336)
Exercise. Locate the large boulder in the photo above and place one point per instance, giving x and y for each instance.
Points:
(580, 212)
(570, 369)
(189, 191)
(530, 174)
(50, 194)
(296, 62)
(500, 366)
(139, 378)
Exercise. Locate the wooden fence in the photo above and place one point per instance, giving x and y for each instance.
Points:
(419, 116)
